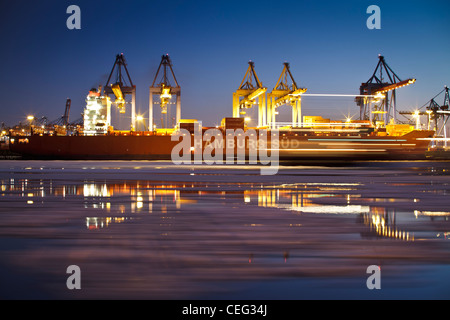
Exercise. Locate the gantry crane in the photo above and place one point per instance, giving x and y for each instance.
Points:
(63, 120)
(165, 91)
(121, 87)
(439, 114)
(67, 112)
(434, 111)
(383, 87)
(285, 93)
(249, 92)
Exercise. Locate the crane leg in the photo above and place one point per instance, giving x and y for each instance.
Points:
(294, 115)
(150, 112)
(133, 111)
(235, 106)
(178, 115)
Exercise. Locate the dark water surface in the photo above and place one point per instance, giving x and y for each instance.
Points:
(154, 230)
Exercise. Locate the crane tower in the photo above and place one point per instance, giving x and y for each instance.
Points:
(121, 87)
(165, 90)
(382, 84)
(285, 93)
(250, 91)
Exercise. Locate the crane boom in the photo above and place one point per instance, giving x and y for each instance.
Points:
(66, 113)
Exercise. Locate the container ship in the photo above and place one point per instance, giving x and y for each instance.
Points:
(306, 137)
(324, 142)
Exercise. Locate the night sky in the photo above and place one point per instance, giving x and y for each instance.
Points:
(327, 43)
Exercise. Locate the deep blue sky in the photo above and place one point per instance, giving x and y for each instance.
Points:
(327, 43)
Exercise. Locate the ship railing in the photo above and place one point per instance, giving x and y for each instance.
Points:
(278, 125)
(438, 142)
(141, 133)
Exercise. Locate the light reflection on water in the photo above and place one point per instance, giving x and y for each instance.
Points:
(154, 196)
(184, 239)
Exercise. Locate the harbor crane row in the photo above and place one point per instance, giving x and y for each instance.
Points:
(437, 115)
(439, 112)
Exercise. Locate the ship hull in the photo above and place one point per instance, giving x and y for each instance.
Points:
(408, 146)
(108, 147)
(159, 147)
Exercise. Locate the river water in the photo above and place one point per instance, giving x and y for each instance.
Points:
(155, 230)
